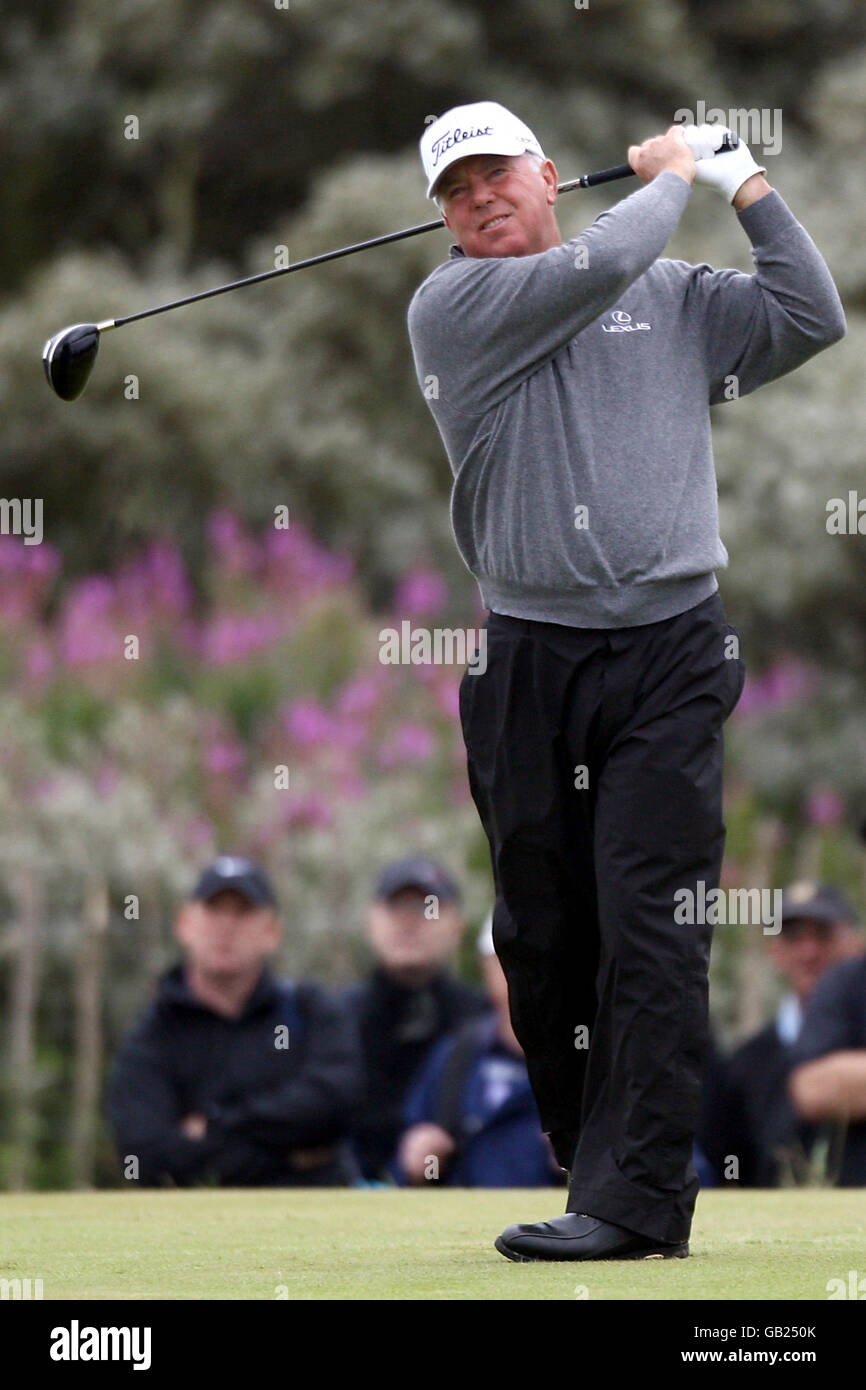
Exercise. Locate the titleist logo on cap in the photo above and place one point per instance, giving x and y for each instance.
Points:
(453, 137)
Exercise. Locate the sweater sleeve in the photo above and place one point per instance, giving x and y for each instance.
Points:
(320, 1096)
(832, 1021)
(481, 325)
(759, 327)
(145, 1113)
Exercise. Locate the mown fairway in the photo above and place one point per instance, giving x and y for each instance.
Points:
(407, 1245)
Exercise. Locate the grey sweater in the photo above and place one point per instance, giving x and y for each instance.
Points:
(572, 391)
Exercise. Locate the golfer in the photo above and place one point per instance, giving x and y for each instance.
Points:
(571, 384)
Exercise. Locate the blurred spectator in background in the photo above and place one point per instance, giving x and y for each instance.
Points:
(764, 1131)
(828, 1079)
(713, 1136)
(410, 1001)
(233, 1076)
(472, 1109)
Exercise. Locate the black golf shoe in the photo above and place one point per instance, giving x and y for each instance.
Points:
(581, 1237)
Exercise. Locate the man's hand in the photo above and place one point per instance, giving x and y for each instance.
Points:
(194, 1126)
(663, 153)
(421, 1143)
(831, 1087)
(726, 172)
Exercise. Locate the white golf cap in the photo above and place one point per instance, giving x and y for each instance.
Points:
(484, 127)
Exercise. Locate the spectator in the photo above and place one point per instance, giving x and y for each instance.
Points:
(472, 1109)
(765, 1132)
(712, 1145)
(828, 1079)
(233, 1076)
(410, 1001)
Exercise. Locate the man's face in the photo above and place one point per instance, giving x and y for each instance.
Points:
(404, 939)
(806, 947)
(477, 191)
(227, 936)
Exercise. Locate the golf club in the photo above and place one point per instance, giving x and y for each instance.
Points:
(69, 355)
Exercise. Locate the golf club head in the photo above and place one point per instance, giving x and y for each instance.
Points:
(68, 359)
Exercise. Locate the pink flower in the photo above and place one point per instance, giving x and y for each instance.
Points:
(824, 807)
(233, 637)
(80, 646)
(235, 551)
(360, 695)
(411, 743)
(448, 698)
(421, 591)
(311, 810)
(308, 724)
(296, 564)
(224, 757)
(92, 595)
(155, 582)
(786, 683)
(17, 558)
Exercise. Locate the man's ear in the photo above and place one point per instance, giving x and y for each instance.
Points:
(182, 922)
(551, 178)
(375, 917)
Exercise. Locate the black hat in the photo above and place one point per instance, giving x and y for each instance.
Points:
(239, 873)
(417, 872)
(817, 901)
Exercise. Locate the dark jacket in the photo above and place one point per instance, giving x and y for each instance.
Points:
(491, 1112)
(263, 1101)
(765, 1132)
(835, 1021)
(398, 1028)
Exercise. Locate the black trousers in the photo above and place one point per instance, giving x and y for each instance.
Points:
(595, 761)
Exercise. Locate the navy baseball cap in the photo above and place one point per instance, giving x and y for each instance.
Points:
(417, 872)
(234, 871)
(819, 902)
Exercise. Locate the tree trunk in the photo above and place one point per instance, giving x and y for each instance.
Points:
(755, 969)
(23, 1003)
(88, 1031)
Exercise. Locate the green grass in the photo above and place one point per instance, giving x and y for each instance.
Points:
(210, 1244)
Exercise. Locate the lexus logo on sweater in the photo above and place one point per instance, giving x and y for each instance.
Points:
(622, 324)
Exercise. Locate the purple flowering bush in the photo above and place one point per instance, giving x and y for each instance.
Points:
(148, 725)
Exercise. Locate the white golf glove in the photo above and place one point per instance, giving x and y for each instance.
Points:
(727, 171)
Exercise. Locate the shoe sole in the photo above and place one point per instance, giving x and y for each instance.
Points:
(679, 1252)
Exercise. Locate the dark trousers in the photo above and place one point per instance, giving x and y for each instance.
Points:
(586, 876)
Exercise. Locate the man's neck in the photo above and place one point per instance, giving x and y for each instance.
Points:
(225, 995)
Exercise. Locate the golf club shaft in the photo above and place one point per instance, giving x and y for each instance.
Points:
(620, 171)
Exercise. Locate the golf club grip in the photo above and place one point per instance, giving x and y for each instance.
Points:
(619, 171)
